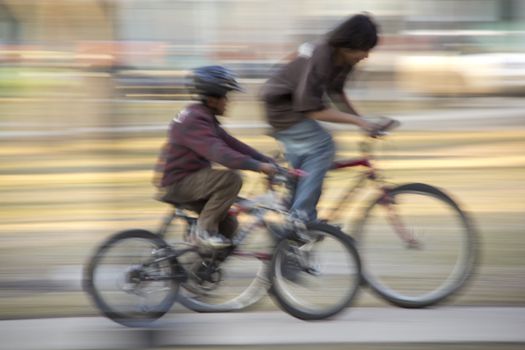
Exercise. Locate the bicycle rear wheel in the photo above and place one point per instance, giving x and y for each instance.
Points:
(417, 246)
(236, 283)
(125, 283)
(318, 279)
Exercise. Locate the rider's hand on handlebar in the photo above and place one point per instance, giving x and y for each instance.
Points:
(268, 168)
(381, 127)
(370, 128)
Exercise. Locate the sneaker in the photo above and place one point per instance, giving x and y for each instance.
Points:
(294, 232)
(212, 239)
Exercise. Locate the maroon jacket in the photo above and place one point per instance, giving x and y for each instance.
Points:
(195, 139)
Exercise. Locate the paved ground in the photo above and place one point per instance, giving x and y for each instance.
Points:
(444, 325)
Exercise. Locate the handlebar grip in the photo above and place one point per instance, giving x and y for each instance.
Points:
(383, 128)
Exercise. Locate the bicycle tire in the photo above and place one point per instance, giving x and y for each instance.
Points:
(118, 275)
(244, 281)
(293, 291)
(405, 277)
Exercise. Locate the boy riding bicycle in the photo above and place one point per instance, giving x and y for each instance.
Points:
(195, 141)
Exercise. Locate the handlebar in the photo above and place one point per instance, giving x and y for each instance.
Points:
(384, 127)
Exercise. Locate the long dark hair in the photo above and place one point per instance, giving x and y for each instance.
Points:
(359, 32)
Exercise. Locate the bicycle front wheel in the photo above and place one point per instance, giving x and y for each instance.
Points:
(317, 279)
(127, 280)
(417, 246)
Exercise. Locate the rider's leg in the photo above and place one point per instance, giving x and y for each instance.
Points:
(309, 188)
(219, 190)
(311, 148)
(226, 186)
(228, 226)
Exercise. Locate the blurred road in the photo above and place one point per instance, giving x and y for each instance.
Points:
(357, 325)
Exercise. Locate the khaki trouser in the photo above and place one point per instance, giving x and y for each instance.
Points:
(210, 192)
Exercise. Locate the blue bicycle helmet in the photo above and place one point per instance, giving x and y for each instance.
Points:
(214, 81)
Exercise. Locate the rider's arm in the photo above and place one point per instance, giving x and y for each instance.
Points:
(243, 148)
(342, 103)
(335, 116)
(199, 135)
(314, 83)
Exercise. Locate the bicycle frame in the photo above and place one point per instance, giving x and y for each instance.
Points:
(343, 202)
(372, 175)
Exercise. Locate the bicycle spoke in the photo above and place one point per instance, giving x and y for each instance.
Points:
(125, 284)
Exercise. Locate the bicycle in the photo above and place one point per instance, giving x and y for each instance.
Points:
(418, 247)
(312, 272)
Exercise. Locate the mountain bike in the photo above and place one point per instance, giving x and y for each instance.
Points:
(312, 271)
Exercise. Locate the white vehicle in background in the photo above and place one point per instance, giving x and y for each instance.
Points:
(454, 72)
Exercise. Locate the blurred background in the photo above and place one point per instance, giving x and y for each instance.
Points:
(88, 87)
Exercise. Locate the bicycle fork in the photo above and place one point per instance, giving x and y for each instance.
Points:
(388, 202)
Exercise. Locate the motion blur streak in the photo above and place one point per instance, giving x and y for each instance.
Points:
(87, 89)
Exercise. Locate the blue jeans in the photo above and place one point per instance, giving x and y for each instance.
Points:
(309, 147)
